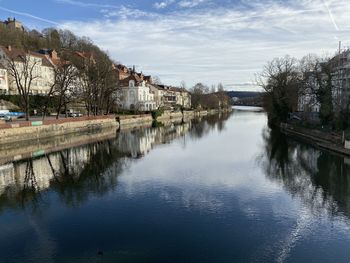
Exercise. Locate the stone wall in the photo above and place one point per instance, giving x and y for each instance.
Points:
(31, 130)
(33, 148)
(170, 115)
(134, 121)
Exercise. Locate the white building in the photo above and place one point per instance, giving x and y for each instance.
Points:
(43, 70)
(340, 74)
(4, 87)
(136, 95)
(341, 79)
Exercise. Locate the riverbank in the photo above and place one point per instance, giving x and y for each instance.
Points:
(135, 121)
(328, 141)
(34, 130)
(13, 133)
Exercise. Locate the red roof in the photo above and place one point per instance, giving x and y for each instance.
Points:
(16, 54)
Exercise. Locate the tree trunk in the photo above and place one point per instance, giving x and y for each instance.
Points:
(58, 112)
(27, 108)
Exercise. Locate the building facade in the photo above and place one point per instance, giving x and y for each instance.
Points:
(4, 87)
(13, 24)
(340, 65)
(170, 97)
(43, 69)
(136, 95)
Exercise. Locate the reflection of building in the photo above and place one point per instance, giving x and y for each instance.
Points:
(88, 167)
(37, 174)
(139, 142)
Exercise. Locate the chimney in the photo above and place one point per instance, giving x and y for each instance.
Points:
(53, 54)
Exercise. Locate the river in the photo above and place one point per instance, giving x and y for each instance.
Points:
(221, 189)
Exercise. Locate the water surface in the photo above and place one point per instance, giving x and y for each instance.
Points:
(221, 189)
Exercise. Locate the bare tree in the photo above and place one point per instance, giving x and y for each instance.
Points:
(317, 85)
(281, 80)
(156, 80)
(66, 85)
(213, 89)
(183, 85)
(220, 87)
(22, 70)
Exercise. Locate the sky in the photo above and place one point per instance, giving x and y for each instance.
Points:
(208, 41)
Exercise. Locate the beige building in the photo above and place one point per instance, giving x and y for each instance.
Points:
(167, 96)
(43, 69)
(4, 87)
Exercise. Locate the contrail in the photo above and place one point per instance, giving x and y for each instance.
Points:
(85, 4)
(331, 15)
(28, 15)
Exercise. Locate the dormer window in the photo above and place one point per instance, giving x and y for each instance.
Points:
(131, 83)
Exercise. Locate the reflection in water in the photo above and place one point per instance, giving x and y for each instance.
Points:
(79, 172)
(319, 178)
(201, 193)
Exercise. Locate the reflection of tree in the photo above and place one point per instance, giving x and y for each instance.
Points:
(78, 173)
(30, 185)
(98, 176)
(205, 125)
(320, 179)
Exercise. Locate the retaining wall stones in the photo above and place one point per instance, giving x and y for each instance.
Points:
(32, 130)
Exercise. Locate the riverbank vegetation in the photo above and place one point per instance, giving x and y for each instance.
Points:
(83, 76)
(205, 98)
(80, 59)
(287, 81)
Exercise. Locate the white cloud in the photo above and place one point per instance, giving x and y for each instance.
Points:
(124, 12)
(226, 45)
(163, 4)
(191, 3)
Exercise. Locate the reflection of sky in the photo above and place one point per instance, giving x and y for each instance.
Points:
(204, 197)
(225, 161)
(220, 174)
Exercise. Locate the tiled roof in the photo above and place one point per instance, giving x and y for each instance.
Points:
(134, 77)
(16, 53)
(170, 88)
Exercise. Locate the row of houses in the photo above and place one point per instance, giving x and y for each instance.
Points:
(140, 93)
(136, 90)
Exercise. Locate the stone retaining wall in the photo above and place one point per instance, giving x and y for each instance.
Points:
(30, 130)
(33, 148)
(170, 115)
(130, 121)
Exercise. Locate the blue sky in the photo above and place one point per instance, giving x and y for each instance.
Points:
(206, 41)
